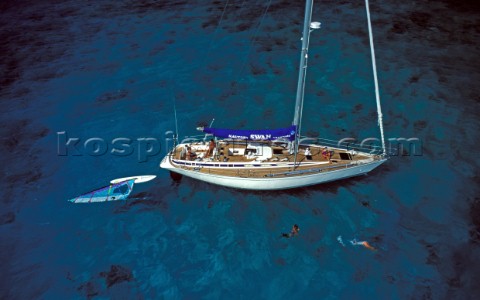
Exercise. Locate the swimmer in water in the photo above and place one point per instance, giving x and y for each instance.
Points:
(293, 232)
(365, 244)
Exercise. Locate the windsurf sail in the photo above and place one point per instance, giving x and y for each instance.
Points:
(113, 192)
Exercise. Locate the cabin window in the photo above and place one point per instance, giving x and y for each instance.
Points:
(277, 151)
(345, 156)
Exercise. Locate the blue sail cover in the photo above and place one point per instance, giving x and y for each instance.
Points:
(264, 134)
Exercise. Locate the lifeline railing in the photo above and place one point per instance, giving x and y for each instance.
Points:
(338, 144)
(305, 141)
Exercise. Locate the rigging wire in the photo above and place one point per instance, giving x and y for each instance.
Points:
(243, 2)
(374, 67)
(216, 29)
(252, 42)
(175, 141)
(209, 48)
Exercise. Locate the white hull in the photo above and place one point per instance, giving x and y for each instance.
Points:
(274, 183)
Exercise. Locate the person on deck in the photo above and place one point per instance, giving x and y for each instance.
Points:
(308, 154)
(211, 147)
(183, 153)
(191, 155)
(326, 153)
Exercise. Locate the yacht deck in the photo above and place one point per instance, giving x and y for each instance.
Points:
(231, 160)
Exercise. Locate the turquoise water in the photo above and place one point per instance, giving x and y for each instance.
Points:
(113, 69)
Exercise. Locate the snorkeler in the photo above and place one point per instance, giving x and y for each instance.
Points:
(293, 232)
(365, 244)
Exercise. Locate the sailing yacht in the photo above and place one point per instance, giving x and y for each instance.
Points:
(275, 159)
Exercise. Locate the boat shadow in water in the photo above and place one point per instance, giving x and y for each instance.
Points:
(143, 201)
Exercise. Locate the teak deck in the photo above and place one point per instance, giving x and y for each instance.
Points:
(273, 167)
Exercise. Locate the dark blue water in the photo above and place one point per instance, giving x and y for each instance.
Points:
(112, 69)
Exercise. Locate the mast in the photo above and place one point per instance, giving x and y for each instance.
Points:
(374, 67)
(302, 73)
(175, 140)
